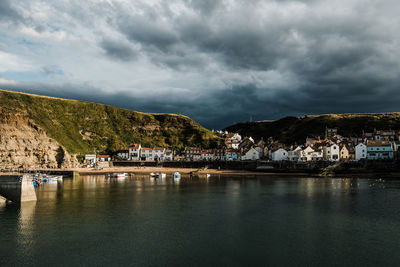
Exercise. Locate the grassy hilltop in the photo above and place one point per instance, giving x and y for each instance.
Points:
(291, 130)
(83, 127)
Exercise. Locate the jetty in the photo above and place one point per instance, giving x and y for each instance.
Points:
(17, 188)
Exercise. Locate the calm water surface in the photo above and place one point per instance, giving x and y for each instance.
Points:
(205, 222)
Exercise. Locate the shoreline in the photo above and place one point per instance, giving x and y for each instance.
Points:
(391, 174)
(226, 172)
(184, 171)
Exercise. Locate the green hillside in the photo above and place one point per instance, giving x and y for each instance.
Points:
(291, 130)
(83, 127)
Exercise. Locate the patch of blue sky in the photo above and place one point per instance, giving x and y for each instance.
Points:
(46, 74)
(52, 70)
(54, 27)
(23, 41)
(24, 76)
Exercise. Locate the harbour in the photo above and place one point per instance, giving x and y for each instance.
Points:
(224, 220)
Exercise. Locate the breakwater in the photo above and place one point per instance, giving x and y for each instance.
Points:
(17, 188)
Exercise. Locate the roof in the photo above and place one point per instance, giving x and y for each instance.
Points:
(134, 146)
(192, 148)
(230, 135)
(378, 143)
(146, 148)
(103, 156)
(158, 148)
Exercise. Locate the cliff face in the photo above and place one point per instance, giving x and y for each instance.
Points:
(31, 125)
(24, 145)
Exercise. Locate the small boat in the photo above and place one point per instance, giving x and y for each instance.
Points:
(122, 175)
(158, 175)
(177, 175)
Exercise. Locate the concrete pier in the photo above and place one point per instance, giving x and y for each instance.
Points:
(17, 188)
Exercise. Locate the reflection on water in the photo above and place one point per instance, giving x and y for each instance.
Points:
(2, 204)
(93, 220)
(25, 233)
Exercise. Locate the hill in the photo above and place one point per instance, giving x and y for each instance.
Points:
(83, 127)
(292, 130)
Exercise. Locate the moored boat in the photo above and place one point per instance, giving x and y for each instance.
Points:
(122, 175)
(158, 175)
(177, 175)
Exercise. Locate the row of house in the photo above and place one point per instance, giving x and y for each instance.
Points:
(338, 151)
(139, 153)
(333, 147)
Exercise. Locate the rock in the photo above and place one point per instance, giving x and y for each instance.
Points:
(24, 144)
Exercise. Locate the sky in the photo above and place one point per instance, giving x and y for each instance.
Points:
(219, 62)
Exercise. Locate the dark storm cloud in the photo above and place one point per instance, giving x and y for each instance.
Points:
(9, 13)
(241, 60)
(339, 59)
(118, 50)
(240, 103)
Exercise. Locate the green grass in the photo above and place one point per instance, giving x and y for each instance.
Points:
(84, 127)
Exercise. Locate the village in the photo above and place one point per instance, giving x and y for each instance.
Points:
(376, 145)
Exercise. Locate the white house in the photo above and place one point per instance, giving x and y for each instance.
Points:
(90, 158)
(317, 155)
(169, 155)
(361, 151)
(306, 154)
(103, 158)
(207, 155)
(251, 154)
(280, 154)
(134, 151)
(294, 155)
(335, 152)
(331, 152)
(146, 154)
(159, 153)
(123, 154)
(233, 140)
(192, 153)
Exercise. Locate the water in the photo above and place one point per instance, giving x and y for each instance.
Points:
(205, 222)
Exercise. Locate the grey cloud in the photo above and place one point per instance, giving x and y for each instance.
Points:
(338, 60)
(145, 29)
(8, 12)
(118, 50)
(238, 103)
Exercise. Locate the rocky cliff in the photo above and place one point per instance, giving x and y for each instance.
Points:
(25, 145)
(44, 131)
